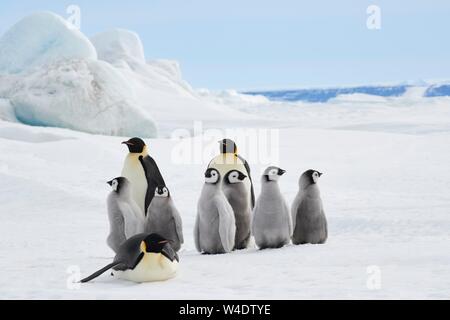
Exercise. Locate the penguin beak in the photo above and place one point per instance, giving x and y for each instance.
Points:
(242, 176)
(128, 143)
(320, 174)
(281, 172)
(109, 182)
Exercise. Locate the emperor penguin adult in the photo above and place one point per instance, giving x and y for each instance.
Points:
(308, 216)
(215, 225)
(125, 217)
(164, 219)
(272, 225)
(237, 195)
(228, 160)
(142, 258)
(142, 172)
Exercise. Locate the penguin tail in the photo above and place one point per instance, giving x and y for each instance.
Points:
(99, 272)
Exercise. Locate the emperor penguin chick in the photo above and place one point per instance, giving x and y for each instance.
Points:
(272, 225)
(142, 258)
(215, 226)
(125, 217)
(237, 195)
(164, 219)
(310, 223)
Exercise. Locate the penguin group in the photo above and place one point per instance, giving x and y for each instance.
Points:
(228, 214)
(146, 228)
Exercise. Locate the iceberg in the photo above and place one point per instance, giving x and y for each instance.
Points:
(118, 44)
(52, 75)
(83, 95)
(41, 39)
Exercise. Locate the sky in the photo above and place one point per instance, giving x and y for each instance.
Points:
(260, 44)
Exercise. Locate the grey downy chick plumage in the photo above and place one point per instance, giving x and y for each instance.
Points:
(237, 195)
(272, 225)
(125, 218)
(164, 219)
(215, 225)
(310, 223)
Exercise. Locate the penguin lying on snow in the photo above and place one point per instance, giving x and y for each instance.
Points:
(272, 226)
(237, 195)
(142, 258)
(308, 216)
(143, 173)
(125, 217)
(163, 218)
(215, 227)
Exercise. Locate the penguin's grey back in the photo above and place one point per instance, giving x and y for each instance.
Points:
(310, 224)
(271, 220)
(215, 224)
(164, 219)
(125, 218)
(237, 196)
(116, 223)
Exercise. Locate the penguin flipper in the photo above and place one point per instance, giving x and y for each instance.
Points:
(129, 254)
(100, 272)
(227, 224)
(154, 178)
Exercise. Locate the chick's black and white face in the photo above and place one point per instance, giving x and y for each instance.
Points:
(273, 173)
(119, 184)
(315, 176)
(235, 176)
(212, 176)
(161, 192)
(115, 185)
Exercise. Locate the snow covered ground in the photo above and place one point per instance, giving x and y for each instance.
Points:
(385, 190)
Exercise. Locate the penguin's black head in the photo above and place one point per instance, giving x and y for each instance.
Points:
(273, 173)
(162, 192)
(118, 183)
(212, 176)
(312, 176)
(227, 146)
(135, 145)
(234, 176)
(153, 243)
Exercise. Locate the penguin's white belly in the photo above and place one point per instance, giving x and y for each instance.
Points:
(152, 267)
(134, 172)
(224, 163)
